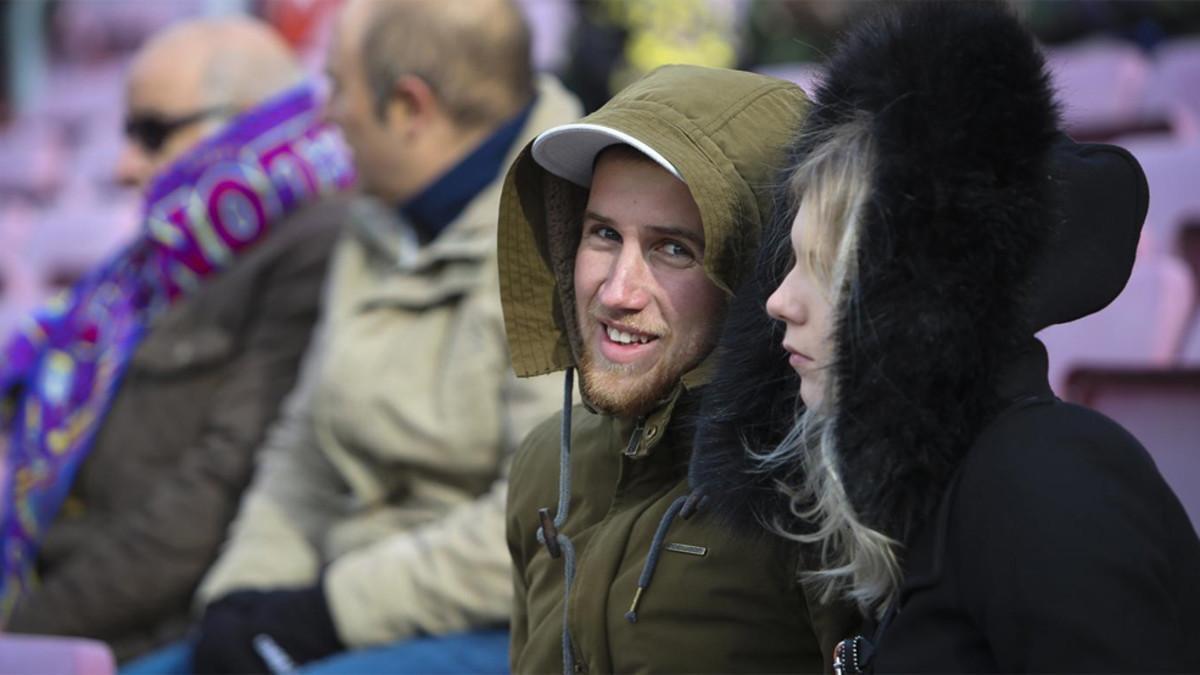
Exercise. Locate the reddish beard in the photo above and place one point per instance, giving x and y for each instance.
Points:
(635, 389)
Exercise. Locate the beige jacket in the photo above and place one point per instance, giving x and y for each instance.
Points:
(388, 468)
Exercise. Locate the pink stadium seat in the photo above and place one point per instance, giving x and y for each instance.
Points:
(99, 150)
(73, 237)
(18, 283)
(1143, 327)
(33, 158)
(1159, 407)
(37, 655)
(1173, 172)
(807, 75)
(1174, 80)
(1190, 245)
(550, 26)
(75, 93)
(1102, 84)
(92, 29)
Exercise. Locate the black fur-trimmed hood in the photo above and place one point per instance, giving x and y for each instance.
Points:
(962, 215)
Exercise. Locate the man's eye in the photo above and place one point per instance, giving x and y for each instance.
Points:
(605, 232)
(676, 250)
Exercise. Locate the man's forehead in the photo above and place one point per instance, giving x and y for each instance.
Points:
(636, 174)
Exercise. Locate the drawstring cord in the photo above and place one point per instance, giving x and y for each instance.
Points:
(557, 543)
(684, 506)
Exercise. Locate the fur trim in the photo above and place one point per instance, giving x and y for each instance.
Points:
(750, 402)
(962, 118)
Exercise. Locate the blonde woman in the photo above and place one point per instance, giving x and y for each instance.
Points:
(890, 410)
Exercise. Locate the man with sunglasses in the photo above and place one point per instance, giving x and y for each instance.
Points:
(375, 524)
(140, 406)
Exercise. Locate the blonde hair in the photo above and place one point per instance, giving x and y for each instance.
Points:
(829, 188)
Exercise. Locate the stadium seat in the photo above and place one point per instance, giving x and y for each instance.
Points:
(33, 155)
(71, 238)
(38, 655)
(1173, 173)
(1144, 327)
(75, 93)
(1102, 84)
(1190, 246)
(1159, 407)
(806, 75)
(1174, 79)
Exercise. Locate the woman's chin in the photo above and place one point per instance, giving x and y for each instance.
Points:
(810, 393)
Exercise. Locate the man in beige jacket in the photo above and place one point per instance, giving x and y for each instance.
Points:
(377, 512)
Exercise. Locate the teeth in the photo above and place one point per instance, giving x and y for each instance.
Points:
(621, 337)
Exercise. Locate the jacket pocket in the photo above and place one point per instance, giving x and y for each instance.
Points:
(176, 352)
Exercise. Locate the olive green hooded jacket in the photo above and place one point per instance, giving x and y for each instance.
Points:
(709, 598)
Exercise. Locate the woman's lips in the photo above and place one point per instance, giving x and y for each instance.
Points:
(798, 360)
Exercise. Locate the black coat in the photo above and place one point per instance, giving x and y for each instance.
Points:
(1034, 535)
(1057, 547)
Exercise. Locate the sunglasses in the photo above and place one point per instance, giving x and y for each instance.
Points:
(151, 130)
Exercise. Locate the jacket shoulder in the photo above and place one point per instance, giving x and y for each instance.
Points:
(1061, 526)
(1051, 453)
(314, 226)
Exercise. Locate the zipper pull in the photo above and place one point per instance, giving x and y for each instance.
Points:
(635, 438)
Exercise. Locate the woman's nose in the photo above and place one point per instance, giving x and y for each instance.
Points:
(783, 304)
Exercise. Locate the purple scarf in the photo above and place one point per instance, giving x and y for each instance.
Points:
(60, 371)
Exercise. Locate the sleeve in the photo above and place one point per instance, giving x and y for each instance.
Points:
(91, 593)
(519, 626)
(519, 621)
(450, 575)
(296, 494)
(274, 541)
(1066, 552)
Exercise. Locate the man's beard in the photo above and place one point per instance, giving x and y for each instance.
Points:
(633, 390)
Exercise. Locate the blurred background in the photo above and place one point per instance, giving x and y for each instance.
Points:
(1127, 72)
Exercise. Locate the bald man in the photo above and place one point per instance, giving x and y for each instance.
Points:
(156, 490)
(375, 524)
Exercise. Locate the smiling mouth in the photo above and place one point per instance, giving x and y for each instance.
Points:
(624, 337)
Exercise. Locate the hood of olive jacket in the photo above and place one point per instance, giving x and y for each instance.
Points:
(725, 131)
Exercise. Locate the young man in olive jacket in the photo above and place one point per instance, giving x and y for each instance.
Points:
(621, 239)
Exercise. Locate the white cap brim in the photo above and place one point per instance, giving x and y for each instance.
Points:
(569, 151)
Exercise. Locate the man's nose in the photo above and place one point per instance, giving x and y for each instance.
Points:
(133, 166)
(626, 286)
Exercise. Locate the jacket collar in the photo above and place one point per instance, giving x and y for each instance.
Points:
(1022, 385)
(436, 207)
(652, 427)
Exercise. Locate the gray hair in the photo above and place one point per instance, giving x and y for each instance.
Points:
(854, 561)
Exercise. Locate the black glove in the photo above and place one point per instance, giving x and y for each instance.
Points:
(225, 643)
(298, 621)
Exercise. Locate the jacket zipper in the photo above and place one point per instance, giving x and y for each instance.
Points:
(635, 438)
